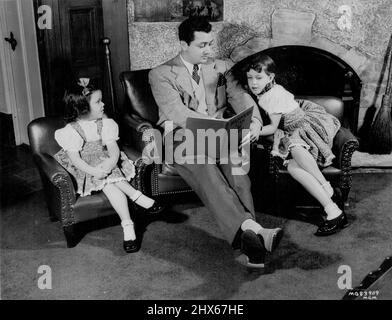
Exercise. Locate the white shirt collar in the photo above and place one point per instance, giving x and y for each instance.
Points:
(188, 65)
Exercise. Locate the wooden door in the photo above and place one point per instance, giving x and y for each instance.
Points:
(19, 70)
(71, 49)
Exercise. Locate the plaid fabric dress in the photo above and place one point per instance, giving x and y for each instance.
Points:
(93, 153)
(303, 123)
(309, 126)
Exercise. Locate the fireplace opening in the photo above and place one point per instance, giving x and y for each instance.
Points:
(307, 70)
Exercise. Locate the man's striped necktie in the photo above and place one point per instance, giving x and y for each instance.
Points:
(195, 73)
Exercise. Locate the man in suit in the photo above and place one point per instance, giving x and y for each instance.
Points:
(194, 85)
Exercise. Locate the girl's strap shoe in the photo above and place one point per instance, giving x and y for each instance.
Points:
(329, 227)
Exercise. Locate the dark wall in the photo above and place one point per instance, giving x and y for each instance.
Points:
(116, 28)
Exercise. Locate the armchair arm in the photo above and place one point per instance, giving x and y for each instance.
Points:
(59, 189)
(266, 142)
(132, 130)
(136, 123)
(344, 145)
(140, 167)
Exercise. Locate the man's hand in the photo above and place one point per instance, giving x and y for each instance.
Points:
(255, 129)
(254, 132)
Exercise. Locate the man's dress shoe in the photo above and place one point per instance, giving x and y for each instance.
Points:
(253, 247)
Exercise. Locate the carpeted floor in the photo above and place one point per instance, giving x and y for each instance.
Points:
(364, 159)
(183, 255)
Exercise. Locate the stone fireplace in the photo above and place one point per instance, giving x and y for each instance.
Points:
(309, 71)
(356, 54)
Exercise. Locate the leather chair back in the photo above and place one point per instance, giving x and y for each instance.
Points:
(139, 95)
(142, 103)
(41, 134)
(332, 105)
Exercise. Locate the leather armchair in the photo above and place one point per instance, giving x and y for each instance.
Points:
(140, 114)
(288, 192)
(59, 187)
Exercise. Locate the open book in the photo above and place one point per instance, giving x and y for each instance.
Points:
(215, 135)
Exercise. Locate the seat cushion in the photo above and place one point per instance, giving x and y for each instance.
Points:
(330, 171)
(171, 184)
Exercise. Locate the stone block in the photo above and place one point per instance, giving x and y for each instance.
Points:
(240, 53)
(292, 26)
(355, 59)
(371, 71)
(151, 44)
(328, 45)
(233, 35)
(258, 44)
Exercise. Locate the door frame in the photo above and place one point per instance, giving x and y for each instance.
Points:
(8, 76)
(34, 106)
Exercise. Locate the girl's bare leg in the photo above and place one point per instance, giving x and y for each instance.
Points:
(135, 195)
(119, 201)
(305, 160)
(310, 183)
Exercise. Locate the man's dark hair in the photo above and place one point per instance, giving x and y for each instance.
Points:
(187, 28)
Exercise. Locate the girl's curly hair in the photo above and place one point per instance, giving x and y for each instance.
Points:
(77, 101)
(258, 62)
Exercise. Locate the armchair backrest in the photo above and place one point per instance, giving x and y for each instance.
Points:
(139, 100)
(141, 103)
(332, 105)
(41, 134)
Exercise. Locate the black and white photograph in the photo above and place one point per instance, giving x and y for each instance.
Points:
(198, 156)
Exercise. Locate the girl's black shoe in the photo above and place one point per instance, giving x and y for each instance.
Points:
(131, 246)
(329, 227)
(156, 208)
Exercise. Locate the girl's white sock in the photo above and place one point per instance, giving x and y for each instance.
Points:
(129, 231)
(142, 200)
(332, 210)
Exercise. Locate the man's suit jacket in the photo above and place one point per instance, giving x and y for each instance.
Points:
(172, 88)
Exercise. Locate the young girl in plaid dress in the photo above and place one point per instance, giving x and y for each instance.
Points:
(303, 136)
